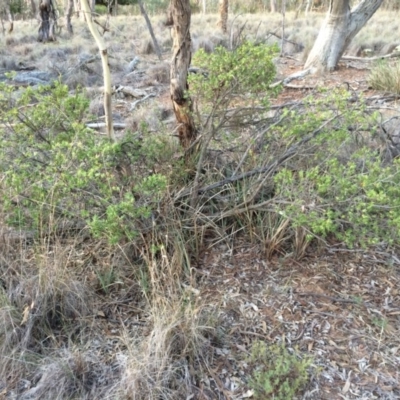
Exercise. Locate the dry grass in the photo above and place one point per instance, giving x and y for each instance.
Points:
(50, 298)
(83, 319)
(129, 36)
(385, 76)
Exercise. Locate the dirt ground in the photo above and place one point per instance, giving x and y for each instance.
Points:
(340, 306)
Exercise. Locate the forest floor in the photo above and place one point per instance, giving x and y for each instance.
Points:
(340, 306)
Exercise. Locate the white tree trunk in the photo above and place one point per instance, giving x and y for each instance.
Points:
(204, 6)
(309, 4)
(339, 28)
(106, 69)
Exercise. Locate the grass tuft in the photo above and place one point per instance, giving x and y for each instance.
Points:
(385, 76)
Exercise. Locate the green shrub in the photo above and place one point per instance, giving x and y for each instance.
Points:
(54, 169)
(277, 373)
(237, 79)
(338, 184)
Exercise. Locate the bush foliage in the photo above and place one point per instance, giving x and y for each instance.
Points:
(278, 374)
(55, 169)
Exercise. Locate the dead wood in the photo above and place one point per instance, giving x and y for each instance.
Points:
(368, 59)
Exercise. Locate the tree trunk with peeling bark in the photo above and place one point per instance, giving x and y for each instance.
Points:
(223, 15)
(48, 21)
(68, 15)
(339, 28)
(183, 108)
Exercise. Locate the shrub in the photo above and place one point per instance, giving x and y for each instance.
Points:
(277, 373)
(337, 183)
(237, 79)
(55, 169)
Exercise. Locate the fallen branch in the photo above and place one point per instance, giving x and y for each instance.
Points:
(367, 59)
(299, 87)
(135, 103)
(130, 91)
(99, 125)
(296, 75)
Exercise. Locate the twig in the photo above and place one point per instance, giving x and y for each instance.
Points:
(334, 299)
(284, 39)
(135, 103)
(266, 169)
(105, 29)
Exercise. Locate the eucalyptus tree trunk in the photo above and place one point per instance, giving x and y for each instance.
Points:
(181, 49)
(6, 10)
(31, 5)
(10, 20)
(273, 6)
(106, 69)
(339, 28)
(150, 28)
(48, 21)
(309, 4)
(223, 15)
(68, 15)
(78, 10)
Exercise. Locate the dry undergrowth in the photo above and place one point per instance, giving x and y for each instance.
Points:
(83, 319)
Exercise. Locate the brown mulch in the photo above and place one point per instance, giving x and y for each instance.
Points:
(343, 308)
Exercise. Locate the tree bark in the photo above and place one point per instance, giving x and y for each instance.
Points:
(273, 6)
(150, 28)
(182, 104)
(106, 70)
(48, 21)
(68, 15)
(10, 19)
(223, 15)
(339, 28)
